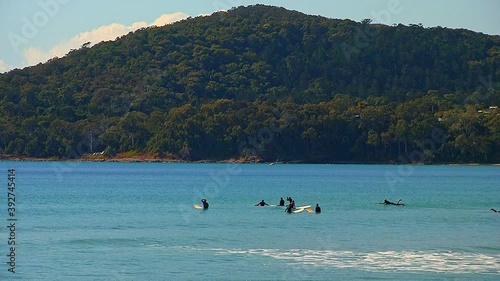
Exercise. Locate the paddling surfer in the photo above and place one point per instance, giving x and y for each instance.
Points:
(494, 210)
(387, 202)
(262, 203)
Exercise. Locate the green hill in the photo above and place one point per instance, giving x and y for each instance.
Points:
(267, 83)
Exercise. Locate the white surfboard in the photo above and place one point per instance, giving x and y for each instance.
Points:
(296, 211)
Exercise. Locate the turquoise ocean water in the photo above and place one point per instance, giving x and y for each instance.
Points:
(136, 221)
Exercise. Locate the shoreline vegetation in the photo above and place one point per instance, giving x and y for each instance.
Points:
(147, 158)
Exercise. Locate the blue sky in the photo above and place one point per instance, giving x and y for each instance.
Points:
(32, 31)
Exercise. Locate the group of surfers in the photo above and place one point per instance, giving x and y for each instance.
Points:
(289, 207)
(291, 204)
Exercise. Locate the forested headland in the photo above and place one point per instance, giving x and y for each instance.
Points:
(266, 84)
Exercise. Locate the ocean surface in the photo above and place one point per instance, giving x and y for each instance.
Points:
(136, 221)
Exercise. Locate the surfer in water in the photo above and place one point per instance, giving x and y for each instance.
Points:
(318, 209)
(262, 203)
(205, 203)
(290, 207)
(494, 210)
(387, 202)
(282, 202)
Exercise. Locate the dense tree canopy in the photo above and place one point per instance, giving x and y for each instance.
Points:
(268, 83)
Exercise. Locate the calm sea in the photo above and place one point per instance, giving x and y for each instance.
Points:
(136, 221)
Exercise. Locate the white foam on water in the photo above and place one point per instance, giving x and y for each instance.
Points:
(451, 262)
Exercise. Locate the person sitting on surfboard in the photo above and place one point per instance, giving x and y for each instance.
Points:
(262, 203)
(205, 203)
(282, 202)
(318, 209)
(289, 208)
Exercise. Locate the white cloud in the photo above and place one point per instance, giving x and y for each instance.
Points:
(169, 18)
(34, 55)
(4, 67)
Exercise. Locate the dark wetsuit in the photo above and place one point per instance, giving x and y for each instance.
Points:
(205, 205)
(282, 202)
(261, 203)
(388, 202)
(288, 209)
(318, 209)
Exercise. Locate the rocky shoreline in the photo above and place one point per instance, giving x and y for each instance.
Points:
(241, 160)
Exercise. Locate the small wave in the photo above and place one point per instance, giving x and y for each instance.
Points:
(451, 262)
(99, 242)
(153, 244)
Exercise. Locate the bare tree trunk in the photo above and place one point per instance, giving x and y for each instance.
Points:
(406, 148)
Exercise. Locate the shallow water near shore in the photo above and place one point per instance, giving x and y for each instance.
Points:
(136, 221)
